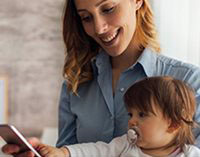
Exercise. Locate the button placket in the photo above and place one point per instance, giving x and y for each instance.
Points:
(122, 89)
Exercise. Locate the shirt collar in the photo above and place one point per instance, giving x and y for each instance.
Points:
(100, 61)
(148, 61)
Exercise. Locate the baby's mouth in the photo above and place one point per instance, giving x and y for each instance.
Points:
(133, 135)
(136, 131)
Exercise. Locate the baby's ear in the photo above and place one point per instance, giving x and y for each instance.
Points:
(173, 127)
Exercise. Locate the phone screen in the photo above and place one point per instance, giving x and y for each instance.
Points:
(12, 136)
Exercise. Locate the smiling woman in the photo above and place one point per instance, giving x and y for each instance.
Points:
(110, 45)
(110, 25)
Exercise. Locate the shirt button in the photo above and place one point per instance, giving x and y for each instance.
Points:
(121, 89)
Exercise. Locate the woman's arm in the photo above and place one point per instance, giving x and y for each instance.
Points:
(67, 124)
(193, 79)
(197, 119)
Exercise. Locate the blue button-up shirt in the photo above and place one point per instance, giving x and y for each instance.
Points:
(96, 115)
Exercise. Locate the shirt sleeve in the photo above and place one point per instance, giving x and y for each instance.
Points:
(100, 149)
(197, 119)
(194, 81)
(67, 125)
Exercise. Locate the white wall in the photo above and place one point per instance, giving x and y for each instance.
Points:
(178, 24)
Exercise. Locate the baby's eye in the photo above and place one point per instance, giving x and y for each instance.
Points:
(130, 115)
(142, 114)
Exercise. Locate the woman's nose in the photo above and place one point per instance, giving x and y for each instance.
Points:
(100, 25)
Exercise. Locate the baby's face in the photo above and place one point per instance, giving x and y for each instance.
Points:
(152, 129)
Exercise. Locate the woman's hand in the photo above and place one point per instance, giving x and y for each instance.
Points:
(12, 149)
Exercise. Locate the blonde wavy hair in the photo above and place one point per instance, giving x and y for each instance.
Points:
(80, 48)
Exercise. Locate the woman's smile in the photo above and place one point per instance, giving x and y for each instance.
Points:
(111, 39)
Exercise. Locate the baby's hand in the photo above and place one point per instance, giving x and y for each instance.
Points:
(49, 151)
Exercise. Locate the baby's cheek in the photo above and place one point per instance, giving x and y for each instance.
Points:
(147, 132)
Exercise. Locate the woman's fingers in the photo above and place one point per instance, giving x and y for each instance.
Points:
(25, 154)
(35, 142)
(15, 149)
(10, 149)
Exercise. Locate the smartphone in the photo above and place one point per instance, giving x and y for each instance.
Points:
(12, 136)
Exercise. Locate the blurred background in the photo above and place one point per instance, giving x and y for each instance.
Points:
(178, 24)
(31, 61)
(32, 56)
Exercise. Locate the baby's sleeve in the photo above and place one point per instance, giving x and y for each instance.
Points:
(100, 149)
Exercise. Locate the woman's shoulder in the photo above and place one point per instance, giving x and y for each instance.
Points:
(160, 64)
(64, 85)
(176, 68)
(175, 63)
(64, 90)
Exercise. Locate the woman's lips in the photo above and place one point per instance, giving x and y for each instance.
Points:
(110, 40)
(110, 37)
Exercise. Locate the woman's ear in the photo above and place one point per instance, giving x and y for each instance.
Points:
(138, 4)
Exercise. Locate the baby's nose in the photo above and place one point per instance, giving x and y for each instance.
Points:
(132, 122)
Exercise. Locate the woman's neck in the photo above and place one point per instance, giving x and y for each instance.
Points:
(126, 59)
(122, 62)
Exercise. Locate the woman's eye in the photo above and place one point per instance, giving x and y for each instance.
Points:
(108, 10)
(86, 19)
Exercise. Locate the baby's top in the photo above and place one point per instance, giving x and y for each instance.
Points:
(123, 146)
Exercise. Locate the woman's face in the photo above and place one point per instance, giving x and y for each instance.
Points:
(111, 23)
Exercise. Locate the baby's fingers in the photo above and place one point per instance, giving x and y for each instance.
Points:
(46, 151)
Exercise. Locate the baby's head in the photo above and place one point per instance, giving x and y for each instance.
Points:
(162, 108)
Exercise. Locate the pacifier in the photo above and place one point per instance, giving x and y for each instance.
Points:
(132, 135)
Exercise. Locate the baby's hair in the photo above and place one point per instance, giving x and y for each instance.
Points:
(175, 99)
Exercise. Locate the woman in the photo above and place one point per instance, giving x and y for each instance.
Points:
(111, 44)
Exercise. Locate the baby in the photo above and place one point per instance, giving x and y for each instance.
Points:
(161, 111)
